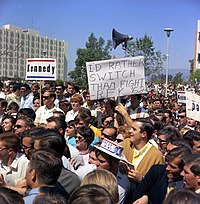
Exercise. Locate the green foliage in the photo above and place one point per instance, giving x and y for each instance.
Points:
(195, 76)
(59, 82)
(95, 50)
(152, 58)
(178, 78)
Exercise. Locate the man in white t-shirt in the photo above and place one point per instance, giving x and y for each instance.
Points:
(46, 111)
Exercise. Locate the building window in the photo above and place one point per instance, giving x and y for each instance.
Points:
(11, 34)
(198, 58)
(199, 36)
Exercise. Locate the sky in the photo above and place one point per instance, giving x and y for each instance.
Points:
(74, 20)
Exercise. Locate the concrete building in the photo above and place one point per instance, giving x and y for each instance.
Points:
(17, 44)
(197, 48)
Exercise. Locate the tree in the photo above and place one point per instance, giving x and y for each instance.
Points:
(191, 65)
(195, 76)
(95, 50)
(178, 78)
(153, 59)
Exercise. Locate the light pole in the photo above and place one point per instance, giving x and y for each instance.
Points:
(168, 31)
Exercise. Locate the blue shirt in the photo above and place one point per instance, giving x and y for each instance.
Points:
(28, 199)
(27, 101)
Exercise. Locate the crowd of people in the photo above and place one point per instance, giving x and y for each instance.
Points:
(58, 146)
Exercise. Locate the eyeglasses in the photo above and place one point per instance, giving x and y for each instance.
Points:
(59, 89)
(79, 138)
(119, 140)
(108, 136)
(3, 148)
(161, 141)
(24, 147)
(18, 126)
(45, 97)
(180, 116)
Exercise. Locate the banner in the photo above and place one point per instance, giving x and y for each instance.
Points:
(116, 77)
(40, 69)
(193, 106)
(181, 97)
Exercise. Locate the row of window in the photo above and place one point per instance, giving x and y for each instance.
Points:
(29, 37)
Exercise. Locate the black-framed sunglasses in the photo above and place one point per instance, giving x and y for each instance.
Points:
(45, 97)
(108, 136)
(18, 126)
(119, 140)
(180, 116)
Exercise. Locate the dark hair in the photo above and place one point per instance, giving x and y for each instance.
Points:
(13, 106)
(179, 152)
(47, 164)
(28, 121)
(60, 114)
(10, 140)
(1, 84)
(16, 86)
(84, 117)
(182, 196)
(170, 132)
(178, 142)
(90, 194)
(87, 133)
(28, 112)
(50, 195)
(52, 139)
(26, 86)
(3, 103)
(190, 136)
(157, 124)
(51, 94)
(146, 126)
(60, 123)
(9, 196)
(194, 161)
(12, 119)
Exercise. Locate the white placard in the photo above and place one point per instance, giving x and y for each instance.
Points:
(116, 77)
(181, 97)
(193, 106)
(40, 69)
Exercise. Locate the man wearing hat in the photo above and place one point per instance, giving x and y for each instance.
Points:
(108, 156)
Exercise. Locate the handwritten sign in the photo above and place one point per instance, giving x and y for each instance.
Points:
(41, 69)
(181, 97)
(193, 106)
(116, 77)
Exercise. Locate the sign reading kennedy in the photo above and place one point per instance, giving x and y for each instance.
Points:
(41, 69)
(116, 77)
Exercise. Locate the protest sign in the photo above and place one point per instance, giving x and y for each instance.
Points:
(41, 69)
(193, 106)
(116, 77)
(181, 97)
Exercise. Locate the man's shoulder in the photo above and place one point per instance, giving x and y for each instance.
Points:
(31, 195)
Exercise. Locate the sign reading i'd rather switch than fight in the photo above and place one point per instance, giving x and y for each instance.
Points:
(41, 69)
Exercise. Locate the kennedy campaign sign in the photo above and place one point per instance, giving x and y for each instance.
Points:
(116, 77)
(41, 69)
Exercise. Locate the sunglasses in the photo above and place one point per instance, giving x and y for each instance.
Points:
(59, 89)
(108, 137)
(45, 97)
(18, 126)
(79, 138)
(119, 140)
(161, 141)
(180, 116)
